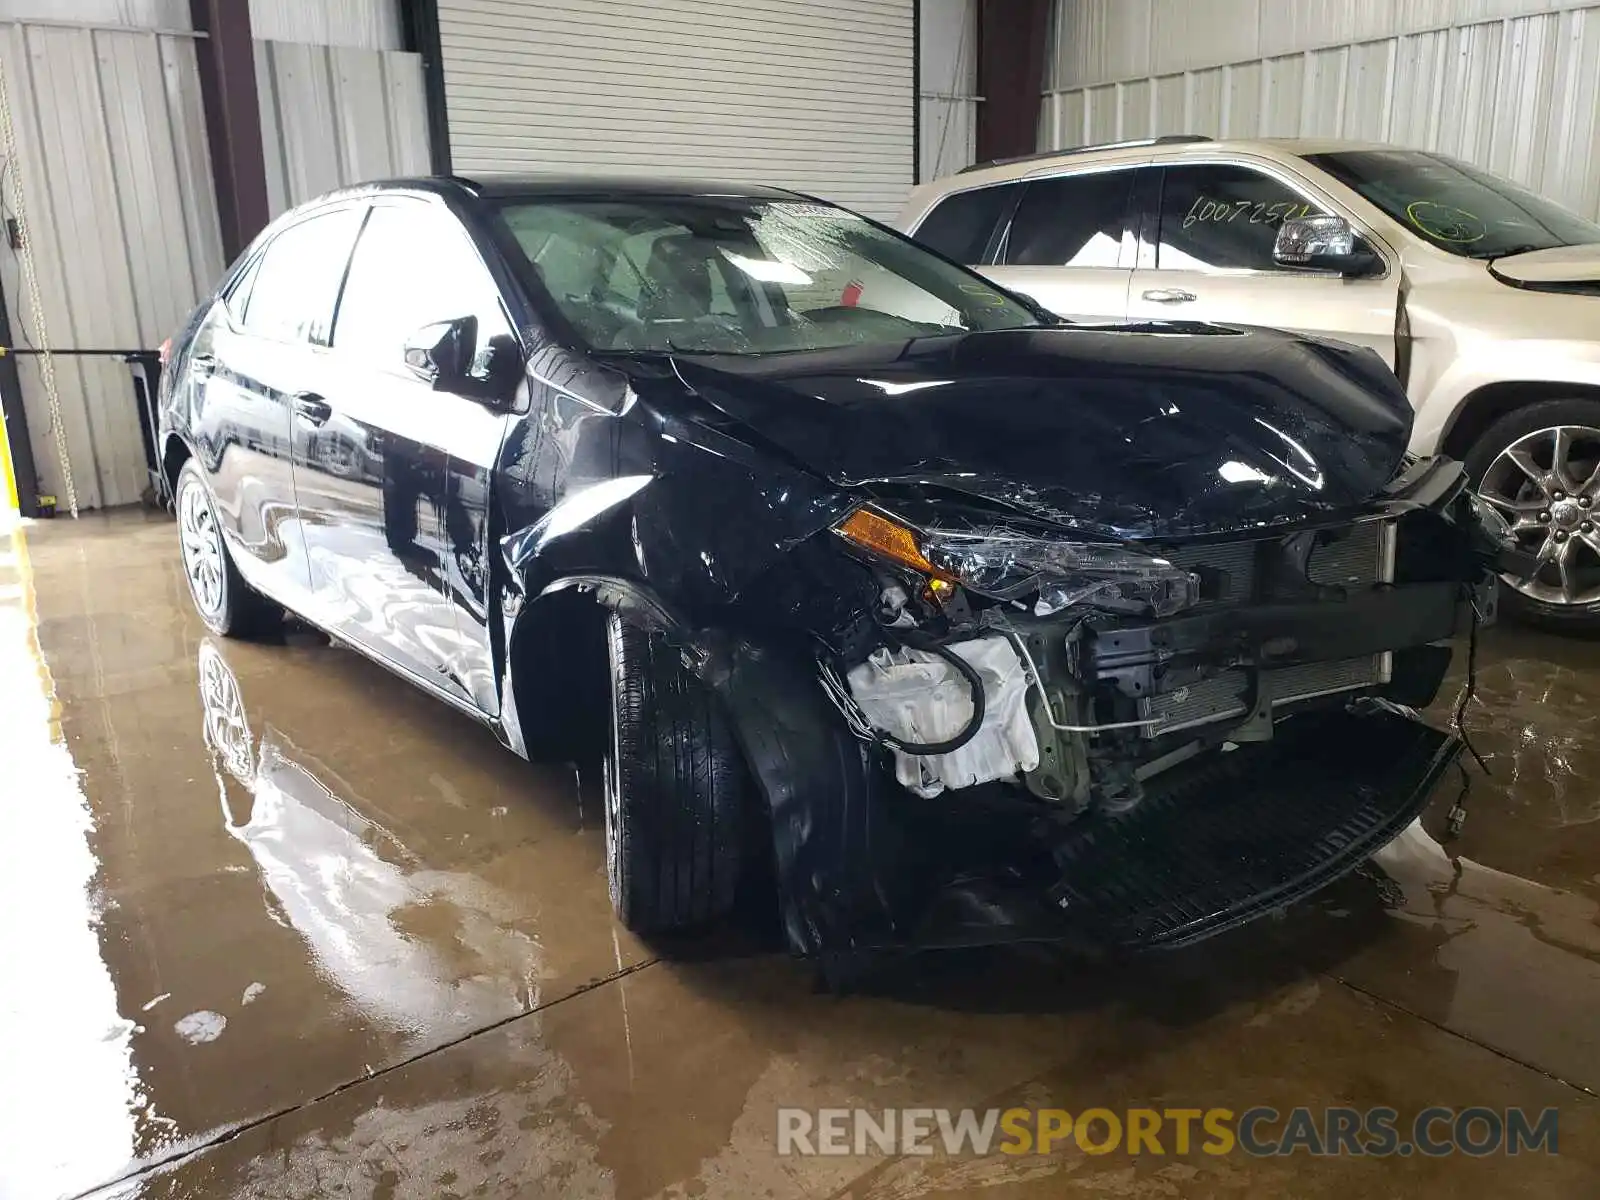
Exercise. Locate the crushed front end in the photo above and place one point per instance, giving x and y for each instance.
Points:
(1135, 744)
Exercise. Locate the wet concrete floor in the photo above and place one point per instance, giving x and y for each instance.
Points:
(273, 924)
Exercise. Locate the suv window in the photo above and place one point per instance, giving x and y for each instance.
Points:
(1220, 217)
(960, 225)
(387, 298)
(292, 295)
(1070, 221)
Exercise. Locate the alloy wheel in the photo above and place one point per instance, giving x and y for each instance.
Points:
(203, 559)
(1547, 483)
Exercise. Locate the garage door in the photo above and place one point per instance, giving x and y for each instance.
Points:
(809, 94)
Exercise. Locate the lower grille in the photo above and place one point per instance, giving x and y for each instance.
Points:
(1227, 695)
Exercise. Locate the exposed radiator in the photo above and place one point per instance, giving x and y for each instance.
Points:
(1358, 557)
(1226, 695)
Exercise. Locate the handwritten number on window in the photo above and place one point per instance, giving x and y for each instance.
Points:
(1254, 212)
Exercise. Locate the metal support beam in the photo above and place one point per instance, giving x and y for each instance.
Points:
(233, 119)
(24, 472)
(420, 21)
(1012, 47)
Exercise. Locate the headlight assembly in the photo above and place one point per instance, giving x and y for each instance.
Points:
(1006, 565)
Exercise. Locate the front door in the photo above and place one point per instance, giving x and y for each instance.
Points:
(1207, 256)
(1070, 244)
(391, 475)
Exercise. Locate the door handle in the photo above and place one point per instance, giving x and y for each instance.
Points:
(203, 364)
(312, 407)
(1168, 296)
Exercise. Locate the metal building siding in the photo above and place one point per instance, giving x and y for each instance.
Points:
(1513, 85)
(335, 115)
(800, 93)
(362, 24)
(123, 230)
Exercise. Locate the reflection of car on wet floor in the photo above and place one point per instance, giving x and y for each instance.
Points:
(973, 627)
(345, 884)
(1480, 295)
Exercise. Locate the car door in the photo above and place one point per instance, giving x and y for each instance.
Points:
(392, 477)
(1070, 244)
(1206, 255)
(251, 361)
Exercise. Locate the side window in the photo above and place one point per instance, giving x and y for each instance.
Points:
(292, 295)
(1070, 221)
(1223, 218)
(959, 225)
(413, 266)
(238, 296)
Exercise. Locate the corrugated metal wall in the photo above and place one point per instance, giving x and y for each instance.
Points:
(122, 226)
(365, 24)
(117, 186)
(332, 115)
(1513, 85)
(949, 103)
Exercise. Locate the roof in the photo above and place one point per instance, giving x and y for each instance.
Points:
(565, 184)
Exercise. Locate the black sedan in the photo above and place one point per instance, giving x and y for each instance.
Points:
(863, 575)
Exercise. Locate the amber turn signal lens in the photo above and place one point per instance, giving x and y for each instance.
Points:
(875, 532)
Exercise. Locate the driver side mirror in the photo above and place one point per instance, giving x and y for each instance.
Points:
(1325, 243)
(447, 356)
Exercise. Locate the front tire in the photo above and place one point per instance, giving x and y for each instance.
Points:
(1540, 466)
(226, 603)
(676, 786)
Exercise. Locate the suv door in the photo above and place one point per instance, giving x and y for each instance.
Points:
(1070, 244)
(1206, 255)
(251, 359)
(392, 477)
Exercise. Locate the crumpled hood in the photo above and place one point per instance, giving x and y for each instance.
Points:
(1564, 264)
(1135, 432)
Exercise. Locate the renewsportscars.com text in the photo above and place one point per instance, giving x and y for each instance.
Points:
(1258, 1131)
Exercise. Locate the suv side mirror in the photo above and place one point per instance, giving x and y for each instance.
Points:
(447, 355)
(1325, 243)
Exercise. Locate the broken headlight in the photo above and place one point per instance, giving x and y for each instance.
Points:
(1006, 565)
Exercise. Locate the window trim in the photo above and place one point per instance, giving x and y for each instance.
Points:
(1300, 186)
(1127, 244)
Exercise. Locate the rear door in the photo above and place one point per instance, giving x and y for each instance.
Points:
(1206, 255)
(1070, 244)
(255, 356)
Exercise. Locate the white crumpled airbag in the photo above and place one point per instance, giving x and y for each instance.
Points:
(918, 697)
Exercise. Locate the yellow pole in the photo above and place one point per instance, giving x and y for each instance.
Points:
(6, 468)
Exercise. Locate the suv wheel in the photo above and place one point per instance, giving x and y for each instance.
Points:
(1540, 466)
(226, 603)
(675, 790)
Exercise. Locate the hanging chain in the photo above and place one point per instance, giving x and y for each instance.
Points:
(30, 275)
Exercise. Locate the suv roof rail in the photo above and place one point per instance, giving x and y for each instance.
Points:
(1170, 139)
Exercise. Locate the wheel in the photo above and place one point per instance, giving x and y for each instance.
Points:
(1540, 466)
(226, 603)
(675, 790)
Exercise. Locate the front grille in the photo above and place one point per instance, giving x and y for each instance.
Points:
(1227, 694)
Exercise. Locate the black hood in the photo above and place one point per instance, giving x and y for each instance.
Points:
(1145, 431)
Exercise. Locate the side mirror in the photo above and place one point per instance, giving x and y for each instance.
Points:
(1324, 243)
(447, 356)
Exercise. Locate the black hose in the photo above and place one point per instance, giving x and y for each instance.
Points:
(968, 672)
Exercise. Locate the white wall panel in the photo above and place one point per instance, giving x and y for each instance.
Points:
(137, 14)
(1513, 85)
(948, 87)
(365, 24)
(121, 226)
(803, 93)
(336, 115)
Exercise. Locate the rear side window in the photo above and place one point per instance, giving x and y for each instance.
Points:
(292, 297)
(1071, 221)
(1223, 218)
(960, 225)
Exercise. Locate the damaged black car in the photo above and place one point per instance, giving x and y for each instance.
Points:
(866, 578)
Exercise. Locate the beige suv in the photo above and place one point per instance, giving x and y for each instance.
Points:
(1484, 298)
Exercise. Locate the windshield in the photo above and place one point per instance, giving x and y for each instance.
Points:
(1457, 207)
(738, 275)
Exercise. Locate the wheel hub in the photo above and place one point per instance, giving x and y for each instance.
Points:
(1547, 484)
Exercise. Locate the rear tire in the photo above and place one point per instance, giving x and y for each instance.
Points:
(1540, 466)
(676, 787)
(228, 605)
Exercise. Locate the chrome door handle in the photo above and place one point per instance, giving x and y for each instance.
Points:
(312, 407)
(203, 364)
(1168, 296)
